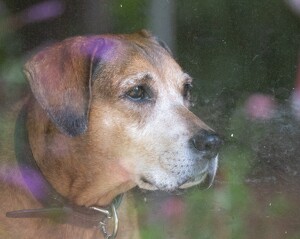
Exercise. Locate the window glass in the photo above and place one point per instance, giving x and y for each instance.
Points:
(244, 59)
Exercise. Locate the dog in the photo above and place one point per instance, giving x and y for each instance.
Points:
(105, 114)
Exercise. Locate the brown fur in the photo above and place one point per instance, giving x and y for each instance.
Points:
(94, 165)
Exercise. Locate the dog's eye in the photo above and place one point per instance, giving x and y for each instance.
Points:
(138, 93)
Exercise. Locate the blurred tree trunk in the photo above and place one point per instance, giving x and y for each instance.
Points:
(162, 21)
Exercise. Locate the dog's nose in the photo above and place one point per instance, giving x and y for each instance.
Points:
(207, 142)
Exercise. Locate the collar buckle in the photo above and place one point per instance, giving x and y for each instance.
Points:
(110, 224)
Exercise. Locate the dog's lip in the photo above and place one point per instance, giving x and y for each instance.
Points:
(204, 179)
(192, 182)
(144, 183)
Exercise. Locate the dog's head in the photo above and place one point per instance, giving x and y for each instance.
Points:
(128, 101)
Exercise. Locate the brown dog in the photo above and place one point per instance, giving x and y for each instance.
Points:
(106, 114)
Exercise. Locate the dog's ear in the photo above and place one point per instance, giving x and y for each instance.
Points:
(165, 46)
(60, 79)
(147, 34)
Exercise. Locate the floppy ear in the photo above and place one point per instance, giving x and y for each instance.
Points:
(60, 79)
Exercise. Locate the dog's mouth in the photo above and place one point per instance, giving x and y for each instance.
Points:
(204, 181)
(145, 183)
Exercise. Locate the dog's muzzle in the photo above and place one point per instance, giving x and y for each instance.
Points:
(197, 168)
(206, 143)
(205, 179)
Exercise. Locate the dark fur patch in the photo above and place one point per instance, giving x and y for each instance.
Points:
(71, 123)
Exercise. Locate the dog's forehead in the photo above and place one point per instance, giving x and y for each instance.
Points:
(145, 56)
(136, 60)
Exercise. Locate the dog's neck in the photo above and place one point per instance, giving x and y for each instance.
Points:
(54, 205)
(65, 161)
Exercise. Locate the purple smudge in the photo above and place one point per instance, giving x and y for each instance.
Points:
(43, 11)
(28, 180)
(106, 47)
(34, 182)
(99, 48)
(93, 45)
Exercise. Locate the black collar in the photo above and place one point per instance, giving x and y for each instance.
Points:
(55, 206)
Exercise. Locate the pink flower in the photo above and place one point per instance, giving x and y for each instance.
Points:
(173, 208)
(260, 107)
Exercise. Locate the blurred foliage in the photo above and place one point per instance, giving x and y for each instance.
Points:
(130, 15)
(242, 46)
(232, 48)
(227, 45)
